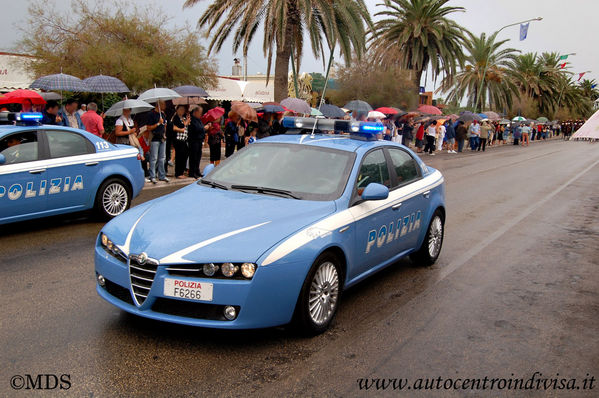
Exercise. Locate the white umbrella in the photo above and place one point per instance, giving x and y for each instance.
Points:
(158, 94)
(376, 115)
(136, 106)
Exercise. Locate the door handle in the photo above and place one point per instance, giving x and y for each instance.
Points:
(37, 171)
(426, 194)
(397, 206)
(91, 163)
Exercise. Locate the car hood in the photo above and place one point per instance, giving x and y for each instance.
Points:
(203, 224)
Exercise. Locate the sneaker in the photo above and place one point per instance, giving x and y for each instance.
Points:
(432, 154)
(153, 180)
(148, 180)
(164, 179)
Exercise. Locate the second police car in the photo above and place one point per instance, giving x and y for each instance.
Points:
(276, 232)
(48, 170)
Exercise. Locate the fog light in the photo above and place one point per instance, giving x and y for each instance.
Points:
(248, 269)
(229, 269)
(101, 280)
(210, 269)
(230, 312)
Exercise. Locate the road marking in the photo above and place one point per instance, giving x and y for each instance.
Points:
(469, 254)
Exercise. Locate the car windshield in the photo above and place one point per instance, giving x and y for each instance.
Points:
(289, 170)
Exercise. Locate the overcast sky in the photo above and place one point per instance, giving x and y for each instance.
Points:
(566, 27)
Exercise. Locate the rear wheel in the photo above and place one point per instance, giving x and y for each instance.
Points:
(433, 241)
(319, 298)
(113, 198)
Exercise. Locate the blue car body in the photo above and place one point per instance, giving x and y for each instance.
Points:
(282, 236)
(59, 170)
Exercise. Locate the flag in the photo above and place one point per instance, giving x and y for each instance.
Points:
(562, 66)
(593, 85)
(580, 75)
(563, 58)
(524, 31)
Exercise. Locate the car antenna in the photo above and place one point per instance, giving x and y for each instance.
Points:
(313, 128)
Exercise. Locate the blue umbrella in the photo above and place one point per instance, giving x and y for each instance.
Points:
(60, 82)
(273, 108)
(191, 91)
(331, 111)
(105, 84)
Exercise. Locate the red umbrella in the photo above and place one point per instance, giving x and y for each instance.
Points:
(429, 110)
(387, 110)
(213, 114)
(22, 97)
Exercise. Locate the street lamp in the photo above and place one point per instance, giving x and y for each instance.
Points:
(488, 55)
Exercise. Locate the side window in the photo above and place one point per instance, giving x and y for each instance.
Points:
(19, 147)
(64, 143)
(374, 169)
(405, 166)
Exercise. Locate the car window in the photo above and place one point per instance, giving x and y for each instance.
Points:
(19, 147)
(65, 143)
(374, 169)
(405, 166)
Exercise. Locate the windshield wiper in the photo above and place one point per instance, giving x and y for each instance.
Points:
(213, 184)
(265, 190)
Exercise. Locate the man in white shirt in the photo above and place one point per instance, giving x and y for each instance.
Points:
(431, 133)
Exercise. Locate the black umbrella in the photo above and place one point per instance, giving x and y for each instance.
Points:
(469, 116)
(331, 111)
(358, 106)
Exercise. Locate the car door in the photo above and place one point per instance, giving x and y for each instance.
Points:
(23, 176)
(71, 171)
(374, 220)
(410, 203)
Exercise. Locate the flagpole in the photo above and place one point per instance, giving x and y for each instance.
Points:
(493, 36)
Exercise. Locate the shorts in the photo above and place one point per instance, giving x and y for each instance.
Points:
(419, 143)
(451, 141)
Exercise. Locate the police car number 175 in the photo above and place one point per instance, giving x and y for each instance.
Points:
(188, 289)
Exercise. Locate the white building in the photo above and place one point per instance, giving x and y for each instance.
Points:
(13, 72)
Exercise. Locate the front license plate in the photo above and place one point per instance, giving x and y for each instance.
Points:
(198, 291)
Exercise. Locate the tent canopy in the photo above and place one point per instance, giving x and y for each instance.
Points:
(237, 90)
(589, 130)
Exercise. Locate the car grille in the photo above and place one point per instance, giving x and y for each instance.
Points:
(190, 309)
(141, 277)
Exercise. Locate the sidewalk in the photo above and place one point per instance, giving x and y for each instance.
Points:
(204, 161)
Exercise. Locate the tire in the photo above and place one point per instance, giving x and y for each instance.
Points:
(322, 288)
(113, 198)
(428, 253)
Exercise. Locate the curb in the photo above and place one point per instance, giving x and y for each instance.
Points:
(172, 182)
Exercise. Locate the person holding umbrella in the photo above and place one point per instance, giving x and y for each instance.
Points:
(69, 115)
(157, 128)
(50, 114)
(232, 135)
(215, 137)
(125, 131)
(195, 138)
(180, 122)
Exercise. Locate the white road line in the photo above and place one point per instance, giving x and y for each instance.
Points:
(478, 247)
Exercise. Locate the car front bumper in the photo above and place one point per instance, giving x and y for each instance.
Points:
(267, 300)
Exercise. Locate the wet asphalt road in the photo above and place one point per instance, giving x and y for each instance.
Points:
(515, 290)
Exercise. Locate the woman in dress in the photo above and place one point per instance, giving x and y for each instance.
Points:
(215, 137)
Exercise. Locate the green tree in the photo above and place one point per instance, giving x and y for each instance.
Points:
(327, 23)
(137, 46)
(417, 33)
(484, 57)
(589, 89)
(374, 84)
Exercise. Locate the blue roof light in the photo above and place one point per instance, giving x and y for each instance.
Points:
(29, 116)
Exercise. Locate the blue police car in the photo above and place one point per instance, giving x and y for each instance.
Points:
(275, 232)
(48, 170)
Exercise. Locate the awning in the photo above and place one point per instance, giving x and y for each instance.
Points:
(13, 72)
(589, 130)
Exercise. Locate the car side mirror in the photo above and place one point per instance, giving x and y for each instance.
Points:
(2, 159)
(375, 191)
(208, 169)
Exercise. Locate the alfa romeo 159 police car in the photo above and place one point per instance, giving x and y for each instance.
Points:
(48, 170)
(275, 232)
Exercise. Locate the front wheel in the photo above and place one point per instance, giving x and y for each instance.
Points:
(430, 249)
(113, 198)
(319, 298)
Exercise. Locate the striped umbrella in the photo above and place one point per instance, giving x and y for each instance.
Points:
(105, 84)
(60, 82)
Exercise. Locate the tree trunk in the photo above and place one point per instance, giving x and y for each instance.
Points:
(282, 72)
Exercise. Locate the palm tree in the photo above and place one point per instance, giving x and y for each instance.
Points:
(484, 57)
(327, 22)
(589, 89)
(416, 33)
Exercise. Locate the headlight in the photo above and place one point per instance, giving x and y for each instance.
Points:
(228, 269)
(210, 269)
(248, 270)
(111, 247)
